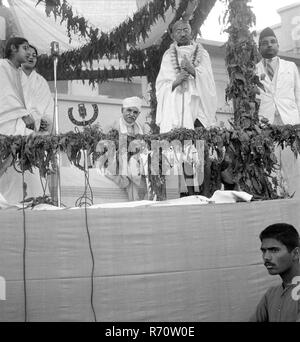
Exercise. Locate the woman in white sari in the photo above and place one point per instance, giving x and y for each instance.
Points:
(37, 95)
(16, 119)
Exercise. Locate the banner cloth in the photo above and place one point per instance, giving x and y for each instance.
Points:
(183, 263)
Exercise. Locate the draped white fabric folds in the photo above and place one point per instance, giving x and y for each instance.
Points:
(12, 103)
(38, 98)
(13, 106)
(190, 263)
(176, 109)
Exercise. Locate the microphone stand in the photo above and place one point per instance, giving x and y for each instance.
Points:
(56, 121)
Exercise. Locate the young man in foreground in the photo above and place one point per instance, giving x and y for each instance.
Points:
(280, 246)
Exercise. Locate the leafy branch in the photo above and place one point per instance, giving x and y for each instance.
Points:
(251, 153)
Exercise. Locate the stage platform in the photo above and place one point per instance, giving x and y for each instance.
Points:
(169, 263)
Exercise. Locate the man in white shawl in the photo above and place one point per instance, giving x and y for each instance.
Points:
(131, 170)
(128, 124)
(185, 86)
(186, 92)
(280, 104)
(16, 119)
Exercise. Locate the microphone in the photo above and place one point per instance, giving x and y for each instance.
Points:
(54, 49)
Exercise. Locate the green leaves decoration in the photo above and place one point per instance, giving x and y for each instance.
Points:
(251, 154)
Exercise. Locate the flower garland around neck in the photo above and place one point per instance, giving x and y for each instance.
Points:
(195, 56)
(195, 59)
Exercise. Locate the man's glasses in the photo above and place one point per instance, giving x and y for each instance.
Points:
(133, 111)
(186, 30)
(266, 43)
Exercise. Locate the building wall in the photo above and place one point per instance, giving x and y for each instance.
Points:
(288, 31)
(109, 110)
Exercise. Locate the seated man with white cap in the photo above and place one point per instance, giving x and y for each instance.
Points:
(130, 175)
(127, 124)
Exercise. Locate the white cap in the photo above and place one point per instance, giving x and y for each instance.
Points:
(132, 102)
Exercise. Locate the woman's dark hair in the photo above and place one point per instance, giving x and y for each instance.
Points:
(284, 233)
(34, 48)
(16, 41)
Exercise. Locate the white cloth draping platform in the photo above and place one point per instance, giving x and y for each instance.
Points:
(167, 263)
(104, 190)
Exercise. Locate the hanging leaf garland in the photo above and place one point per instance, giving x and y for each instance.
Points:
(241, 59)
(251, 153)
(120, 44)
(129, 32)
(63, 10)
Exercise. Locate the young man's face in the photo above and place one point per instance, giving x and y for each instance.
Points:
(269, 47)
(276, 257)
(130, 114)
(31, 60)
(181, 33)
(21, 53)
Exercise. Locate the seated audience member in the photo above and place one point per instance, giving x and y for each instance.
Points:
(280, 246)
(16, 119)
(130, 174)
(37, 94)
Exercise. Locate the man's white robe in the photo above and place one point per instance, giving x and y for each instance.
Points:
(38, 98)
(280, 104)
(12, 109)
(176, 109)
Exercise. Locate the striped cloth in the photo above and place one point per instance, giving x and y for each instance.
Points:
(269, 68)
